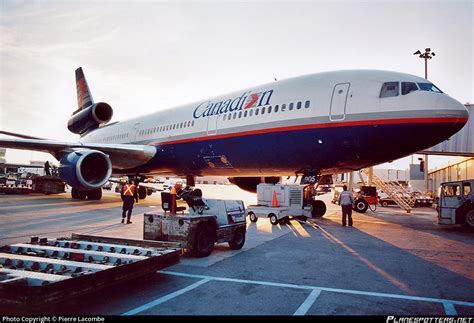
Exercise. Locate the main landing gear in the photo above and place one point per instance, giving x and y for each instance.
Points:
(95, 194)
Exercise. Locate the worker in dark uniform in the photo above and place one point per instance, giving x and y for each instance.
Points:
(346, 199)
(47, 172)
(129, 194)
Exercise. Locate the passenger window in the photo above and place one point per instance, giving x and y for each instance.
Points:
(283, 107)
(225, 116)
(263, 110)
(192, 124)
(240, 114)
(389, 89)
(466, 188)
(306, 104)
(408, 87)
(256, 112)
(291, 106)
(298, 105)
(452, 190)
(270, 109)
(250, 113)
(235, 115)
(276, 108)
(245, 113)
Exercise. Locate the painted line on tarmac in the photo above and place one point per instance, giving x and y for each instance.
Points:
(449, 309)
(449, 302)
(304, 308)
(165, 298)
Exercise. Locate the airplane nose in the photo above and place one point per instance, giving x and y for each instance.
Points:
(451, 108)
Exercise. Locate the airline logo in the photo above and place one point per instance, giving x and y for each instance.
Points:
(246, 101)
(83, 97)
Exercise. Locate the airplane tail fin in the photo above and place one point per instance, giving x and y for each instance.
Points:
(84, 97)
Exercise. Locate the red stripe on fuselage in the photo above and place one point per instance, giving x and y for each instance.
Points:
(316, 126)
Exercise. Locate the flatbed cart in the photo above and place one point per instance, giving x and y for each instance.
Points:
(277, 215)
(45, 271)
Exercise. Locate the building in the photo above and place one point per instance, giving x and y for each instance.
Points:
(456, 172)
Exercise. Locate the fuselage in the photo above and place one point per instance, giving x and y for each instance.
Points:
(327, 123)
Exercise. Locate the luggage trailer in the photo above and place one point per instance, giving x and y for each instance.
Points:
(44, 271)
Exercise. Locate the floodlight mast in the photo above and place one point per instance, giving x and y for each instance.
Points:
(428, 54)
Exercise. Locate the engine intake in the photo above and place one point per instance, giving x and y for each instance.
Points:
(90, 118)
(85, 169)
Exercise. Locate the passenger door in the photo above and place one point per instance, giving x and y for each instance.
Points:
(212, 124)
(338, 101)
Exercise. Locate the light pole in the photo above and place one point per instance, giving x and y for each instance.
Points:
(428, 54)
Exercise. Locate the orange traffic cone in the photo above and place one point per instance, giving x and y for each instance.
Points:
(274, 199)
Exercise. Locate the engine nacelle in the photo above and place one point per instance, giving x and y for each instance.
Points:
(90, 117)
(85, 169)
(249, 184)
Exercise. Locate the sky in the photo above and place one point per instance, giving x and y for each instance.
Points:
(143, 56)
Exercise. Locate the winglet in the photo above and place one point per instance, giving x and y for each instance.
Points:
(84, 97)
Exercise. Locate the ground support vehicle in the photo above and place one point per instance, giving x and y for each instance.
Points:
(45, 271)
(456, 203)
(48, 185)
(207, 221)
(279, 203)
(363, 198)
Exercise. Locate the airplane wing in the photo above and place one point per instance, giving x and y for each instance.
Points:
(123, 156)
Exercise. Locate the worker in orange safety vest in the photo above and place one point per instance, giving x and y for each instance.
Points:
(129, 195)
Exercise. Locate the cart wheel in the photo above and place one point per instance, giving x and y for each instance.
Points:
(252, 217)
(385, 203)
(361, 205)
(273, 219)
(203, 241)
(238, 240)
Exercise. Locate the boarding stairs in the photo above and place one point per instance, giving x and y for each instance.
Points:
(397, 193)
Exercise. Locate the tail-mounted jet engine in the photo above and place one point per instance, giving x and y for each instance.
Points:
(90, 118)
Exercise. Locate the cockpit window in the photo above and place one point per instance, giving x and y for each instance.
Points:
(408, 87)
(429, 87)
(389, 89)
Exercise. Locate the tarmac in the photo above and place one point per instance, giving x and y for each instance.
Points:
(389, 263)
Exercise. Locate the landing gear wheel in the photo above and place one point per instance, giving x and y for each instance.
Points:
(142, 192)
(238, 240)
(252, 217)
(273, 219)
(468, 220)
(94, 194)
(318, 208)
(203, 241)
(361, 206)
(81, 195)
(74, 193)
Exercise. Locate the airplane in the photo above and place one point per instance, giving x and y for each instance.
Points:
(317, 124)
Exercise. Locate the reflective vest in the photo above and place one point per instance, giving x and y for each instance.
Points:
(128, 190)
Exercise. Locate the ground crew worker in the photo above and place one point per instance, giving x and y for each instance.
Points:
(346, 199)
(47, 172)
(129, 195)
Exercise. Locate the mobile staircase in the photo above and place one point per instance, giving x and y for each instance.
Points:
(396, 192)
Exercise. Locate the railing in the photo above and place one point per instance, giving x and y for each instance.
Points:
(396, 192)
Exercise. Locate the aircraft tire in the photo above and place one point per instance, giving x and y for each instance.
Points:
(142, 192)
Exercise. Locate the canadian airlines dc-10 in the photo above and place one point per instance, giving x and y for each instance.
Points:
(315, 124)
